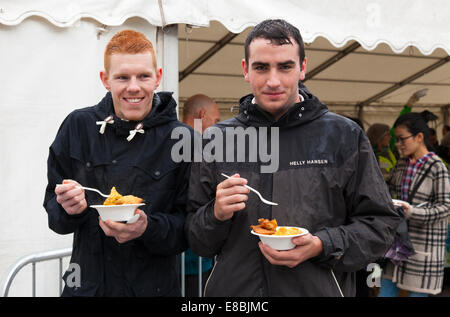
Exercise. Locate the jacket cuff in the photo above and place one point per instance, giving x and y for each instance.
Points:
(53, 204)
(211, 218)
(331, 254)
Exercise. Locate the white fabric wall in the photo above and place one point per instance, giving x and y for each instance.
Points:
(46, 72)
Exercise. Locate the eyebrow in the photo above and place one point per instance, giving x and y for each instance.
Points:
(126, 74)
(286, 63)
(119, 75)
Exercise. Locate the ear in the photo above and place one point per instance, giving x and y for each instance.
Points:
(202, 113)
(245, 70)
(158, 77)
(420, 137)
(303, 70)
(104, 78)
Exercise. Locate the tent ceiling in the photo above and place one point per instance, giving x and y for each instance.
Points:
(374, 52)
(349, 75)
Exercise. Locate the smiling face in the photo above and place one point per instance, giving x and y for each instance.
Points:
(273, 72)
(132, 80)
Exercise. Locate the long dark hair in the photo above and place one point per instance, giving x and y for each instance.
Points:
(415, 124)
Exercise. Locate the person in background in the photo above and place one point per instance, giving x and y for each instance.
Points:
(379, 137)
(445, 129)
(203, 109)
(123, 141)
(419, 177)
(200, 112)
(444, 154)
(415, 97)
(433, 141)
(444, 149)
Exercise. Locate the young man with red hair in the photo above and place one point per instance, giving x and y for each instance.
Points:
(123, 141)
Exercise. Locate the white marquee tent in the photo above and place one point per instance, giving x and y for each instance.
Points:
(364, 58)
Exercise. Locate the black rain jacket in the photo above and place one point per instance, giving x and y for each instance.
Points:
(142, 167)
(328, 182)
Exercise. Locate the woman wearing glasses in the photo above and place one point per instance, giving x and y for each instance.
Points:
(421, 179)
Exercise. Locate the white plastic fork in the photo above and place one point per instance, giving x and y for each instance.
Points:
(256, 192)
(94, 190)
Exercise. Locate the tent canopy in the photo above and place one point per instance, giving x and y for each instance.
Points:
(343, 77)
(421, 23)
(359, 53)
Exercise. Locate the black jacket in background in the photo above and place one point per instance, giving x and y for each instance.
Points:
(142, 167)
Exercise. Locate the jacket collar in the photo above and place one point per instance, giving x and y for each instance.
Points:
(163, 111)
(300, 113)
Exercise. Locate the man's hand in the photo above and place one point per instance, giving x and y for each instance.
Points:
(307, 247)
(70, 197)
(124, 232)
(230, 197)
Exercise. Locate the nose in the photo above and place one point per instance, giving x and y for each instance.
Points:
(133, 86)
(273, 80)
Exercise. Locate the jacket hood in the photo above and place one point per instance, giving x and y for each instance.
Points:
(300, 113)
(163, 111)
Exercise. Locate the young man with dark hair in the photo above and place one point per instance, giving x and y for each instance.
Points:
(327, 181)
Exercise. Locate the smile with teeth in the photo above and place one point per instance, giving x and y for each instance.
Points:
(134, 100)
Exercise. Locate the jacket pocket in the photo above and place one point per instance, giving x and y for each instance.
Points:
(157, 170)
(91, 173)
(161, 176)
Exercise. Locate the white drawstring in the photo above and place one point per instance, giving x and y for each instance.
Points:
(337, 284)
(108, 120)
(138, 128)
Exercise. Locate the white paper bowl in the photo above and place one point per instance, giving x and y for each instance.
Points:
(400, 203)
(116, 212)
(280, 242)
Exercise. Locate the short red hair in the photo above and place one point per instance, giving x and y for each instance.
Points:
(128, 42)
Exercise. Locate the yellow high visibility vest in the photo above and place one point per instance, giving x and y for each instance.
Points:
(387, 163)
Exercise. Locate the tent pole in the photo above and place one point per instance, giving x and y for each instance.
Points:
(360, 111)
(167, 56)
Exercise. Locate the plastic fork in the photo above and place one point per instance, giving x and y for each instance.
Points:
(256, 192)
(94, 190)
